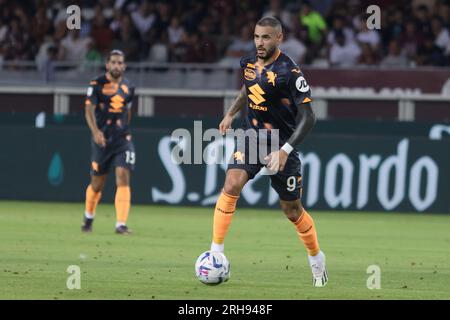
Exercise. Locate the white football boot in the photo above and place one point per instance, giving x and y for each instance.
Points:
(319, 271)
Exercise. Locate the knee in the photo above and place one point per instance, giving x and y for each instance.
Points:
(122, 178)
(96, 188)
(232, 187)
(292, 209)
(97, 184)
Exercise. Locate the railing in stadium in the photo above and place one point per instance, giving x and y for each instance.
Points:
(406, 102)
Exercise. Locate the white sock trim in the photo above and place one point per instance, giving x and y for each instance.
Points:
(217, 247)
(89, 215)
(318, 258)
(118, 224)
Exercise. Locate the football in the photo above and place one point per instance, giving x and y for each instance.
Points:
(212, 268)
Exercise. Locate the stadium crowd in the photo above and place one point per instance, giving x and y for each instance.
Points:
(319, 32)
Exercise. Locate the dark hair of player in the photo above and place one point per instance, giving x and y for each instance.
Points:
(269, 22)
(115, 52)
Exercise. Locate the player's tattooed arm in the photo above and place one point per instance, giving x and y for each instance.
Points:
(97, 135)
(304, 121)
(238, 103)
(236, 106)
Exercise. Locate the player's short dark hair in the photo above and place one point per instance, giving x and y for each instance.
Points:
(269, 22)
(115, 52)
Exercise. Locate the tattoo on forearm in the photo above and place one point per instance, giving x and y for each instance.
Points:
(239, 102)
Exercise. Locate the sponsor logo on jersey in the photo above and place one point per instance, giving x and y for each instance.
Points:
(257, 94)
(257, 107)
(301, 84)
(249, 74)
(116, 104)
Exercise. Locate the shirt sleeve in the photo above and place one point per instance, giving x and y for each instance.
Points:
(130, 98)
(298, 87)
(92, 94)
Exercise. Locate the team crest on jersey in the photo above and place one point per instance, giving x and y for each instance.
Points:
(238, 156)
(271, 77)
(301, 84)
(249, 74)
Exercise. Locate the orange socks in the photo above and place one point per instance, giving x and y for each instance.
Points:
(223, 214)
(307, 233)
(92, 199)
(122, 203)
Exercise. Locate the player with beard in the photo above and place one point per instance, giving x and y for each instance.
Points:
(277, 98)
(108, 115)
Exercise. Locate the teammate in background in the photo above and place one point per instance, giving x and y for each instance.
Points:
(108, 115)
(278, 97)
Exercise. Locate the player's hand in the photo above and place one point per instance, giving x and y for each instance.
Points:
(99, 138)
(276, 160)
(225, 124)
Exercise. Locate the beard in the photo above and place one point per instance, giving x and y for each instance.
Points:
(115, 74)
(267, 54)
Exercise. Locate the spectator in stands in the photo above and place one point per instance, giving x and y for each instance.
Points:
(276, 10)
(240, 47)
(410, 39)
(207, 42)
(144, 18)
(93, 56)
(116, 24)
(25, 26)
(3, 30)
(293, 47)
(422, 15)
(344, 53)
(164, 17)
(159, 51)
(371, 37)
(49, 64)
(179, 51)
(316, 27)
(441, 34)
(339, 25)
(443, 10)
(428, 53)
(17, 45)
(73, 48)
(194, 52)
(101, 34)
(175, 31)
(395, 57)
(313, 21)
(40, 26)
(197, 11)
(126, 39)
(368, 56)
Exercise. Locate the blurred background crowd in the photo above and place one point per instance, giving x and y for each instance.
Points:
(320, 32)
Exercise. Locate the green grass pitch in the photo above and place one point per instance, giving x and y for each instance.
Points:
(38, 241)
